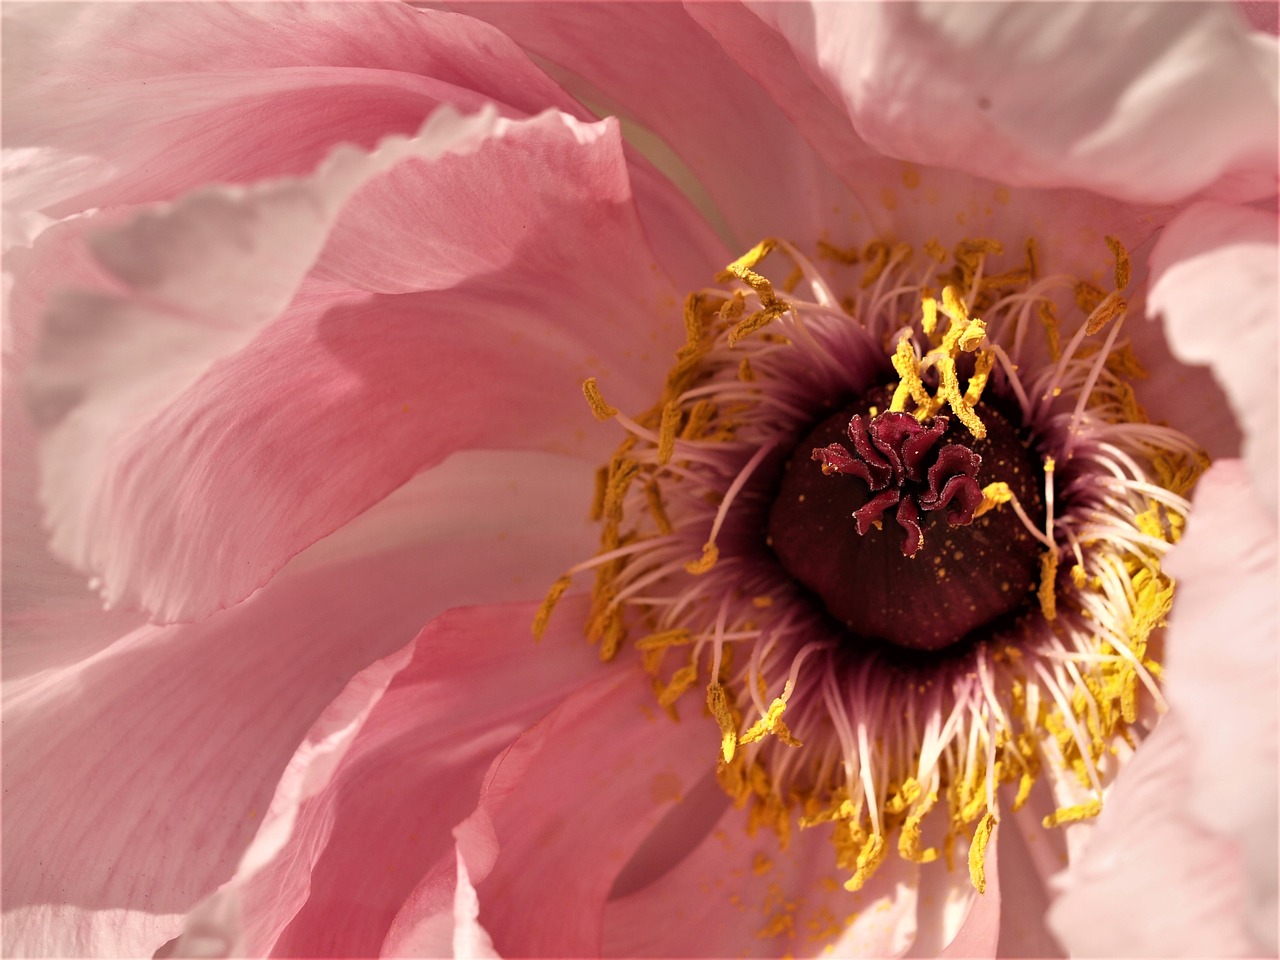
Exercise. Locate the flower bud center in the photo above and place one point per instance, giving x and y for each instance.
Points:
(875, 514)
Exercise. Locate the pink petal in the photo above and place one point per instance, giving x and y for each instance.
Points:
(652, 63)
(1152, 882)
(1002, 89)
(135, 779)
(268, 90)
(164, 405)
(1222, 675)
(351, 830)
(1220, 262)
(571, 800)
(100, 120)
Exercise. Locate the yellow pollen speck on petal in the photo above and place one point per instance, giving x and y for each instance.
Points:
(602, 410)
(710, 554)
(993, 495)
(978, 852)
(667, 431)
(1083, 811)
(1121, 255)
(548, 606)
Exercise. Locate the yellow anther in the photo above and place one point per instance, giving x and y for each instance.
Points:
(993, 495)
(665, 639)
(654, 497)
(680, 682)
(935, 250)
(548, 606)
(762, 602)
(973, 335)
(1033, 258)
(602, 410)
(978, 852)
(1048, 577)
(710, 554)
(745, 373)
(693, 318)
(718, 704)
(1110, 308)
(621, 474)
(671, 416)
(1122, 272)
(1083, 811)
(908, 368)
(611, 641)
(929, 315)
(772, 723)
(742, 268)
(1025, 784)
(1049, 319)
(954, 308)
(757, 321)
(869, 858)
(1078, 576)
(702, 414)
(949, 390)
(978, 381)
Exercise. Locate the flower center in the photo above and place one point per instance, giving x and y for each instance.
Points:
(898, 606)
(889, 531)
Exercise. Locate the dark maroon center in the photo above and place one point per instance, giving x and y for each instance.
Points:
(875, 514)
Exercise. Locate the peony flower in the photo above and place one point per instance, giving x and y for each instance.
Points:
(930, 439)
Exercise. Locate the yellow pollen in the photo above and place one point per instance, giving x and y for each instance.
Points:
(665, 639)
(993, 495)
(1122, 272)
(869, 857)
(667, 431)
(722, 711)
(1083, 811)
(772, 723)
(548, 606)
(1112, 306)
(710, 554)
(978, 852)
(602, 410)
(681, 681)
(1048, 577)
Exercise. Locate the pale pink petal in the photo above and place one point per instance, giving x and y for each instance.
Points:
(1029, 855)
(737, 894)
(349, 833)
(571, 800)
(1215, 281)
(650, 62)
(1153, 882)
(562, 812)
(94, 119)
(135, 779)
(1095, 96)
(1223, 670)
(980, 930)
(240, 450)
(268, 90)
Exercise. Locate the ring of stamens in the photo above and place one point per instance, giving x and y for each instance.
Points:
(810, 734)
